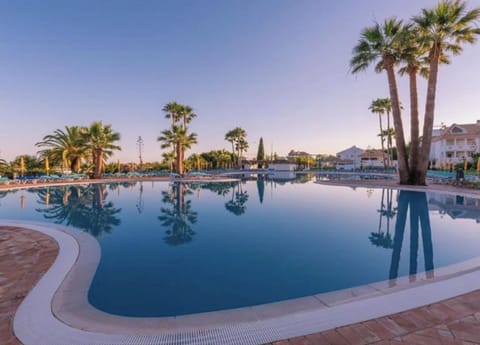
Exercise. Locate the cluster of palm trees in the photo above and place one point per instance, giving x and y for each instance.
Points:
(413, 48)
(75, 145)
(238, 138)
(214, 159)
(177, 138)
(380, 107)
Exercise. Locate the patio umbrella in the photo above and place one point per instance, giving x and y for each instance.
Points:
(478, 165)
(465, 164)
(22, 166)
(47, 165)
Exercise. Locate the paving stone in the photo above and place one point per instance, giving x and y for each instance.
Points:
(379, 330)
(25, 256)
(334, 338)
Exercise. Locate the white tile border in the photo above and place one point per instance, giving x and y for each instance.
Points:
(57, 311)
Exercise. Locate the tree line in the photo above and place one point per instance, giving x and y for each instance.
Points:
(86, 148)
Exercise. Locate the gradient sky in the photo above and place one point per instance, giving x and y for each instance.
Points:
(278, 68)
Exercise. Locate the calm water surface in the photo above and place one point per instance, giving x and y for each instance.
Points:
(172, 249)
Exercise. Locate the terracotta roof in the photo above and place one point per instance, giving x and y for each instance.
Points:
(372, 153)
(470, 130)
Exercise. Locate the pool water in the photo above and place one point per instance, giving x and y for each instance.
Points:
(172, 249)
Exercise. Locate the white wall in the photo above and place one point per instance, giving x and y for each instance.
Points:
(282, 166)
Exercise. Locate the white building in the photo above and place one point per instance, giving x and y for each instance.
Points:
(353, 153)
(344, 164)
(372, 158)
(281, 166)
(455, 143)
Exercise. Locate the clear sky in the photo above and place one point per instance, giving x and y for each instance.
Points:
(277, 68)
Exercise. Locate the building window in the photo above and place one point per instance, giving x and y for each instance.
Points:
(450, 142)
(449, 154)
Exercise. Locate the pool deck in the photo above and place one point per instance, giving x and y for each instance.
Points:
(25, 255)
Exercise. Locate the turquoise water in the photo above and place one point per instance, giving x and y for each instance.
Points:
(172, 249)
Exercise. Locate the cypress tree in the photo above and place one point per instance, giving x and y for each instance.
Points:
(261, 151)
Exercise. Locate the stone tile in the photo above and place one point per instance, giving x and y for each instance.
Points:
(404, 322)
(334, 338)
(365, 334)
(392, 326)
(351, 335)
(317, 339)
(419, 339)
(379, 330)
(467, 331)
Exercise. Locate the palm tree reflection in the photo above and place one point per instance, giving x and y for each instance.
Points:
(237, 204)
(417, 203)
(381, 238)
(84, 207)
(178, 215)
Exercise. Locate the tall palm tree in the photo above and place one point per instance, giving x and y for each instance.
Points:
(378, 45)
(64, 146)
(443, 29)
(231, 138)
(238, 138)
(179, 138)
(412, 55)
(242, 146)
(100, 141)
(377, 108)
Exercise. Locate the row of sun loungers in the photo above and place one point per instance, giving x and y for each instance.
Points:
(42, 179)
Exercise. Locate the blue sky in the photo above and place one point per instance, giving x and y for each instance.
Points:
(278, 68)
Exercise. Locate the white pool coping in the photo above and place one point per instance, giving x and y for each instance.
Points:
(57, 311)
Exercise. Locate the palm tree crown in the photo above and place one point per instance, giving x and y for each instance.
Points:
(100, 141)
(64, 146)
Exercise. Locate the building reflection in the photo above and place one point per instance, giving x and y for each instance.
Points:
(455, 206)
(177, 214)
(416, 203)
(84, 207)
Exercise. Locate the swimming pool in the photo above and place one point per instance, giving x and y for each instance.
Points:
(173, 249)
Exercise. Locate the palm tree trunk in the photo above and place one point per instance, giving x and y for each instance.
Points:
(429, 116)
(381, 139)
(389, 141)
(98, 162)
(239, 158)
(414, 126)
(179, 159)
(397, 121)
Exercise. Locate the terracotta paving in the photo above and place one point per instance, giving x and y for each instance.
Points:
(25, 255)
(452, 322)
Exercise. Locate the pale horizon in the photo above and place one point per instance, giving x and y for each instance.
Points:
(278, 69)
